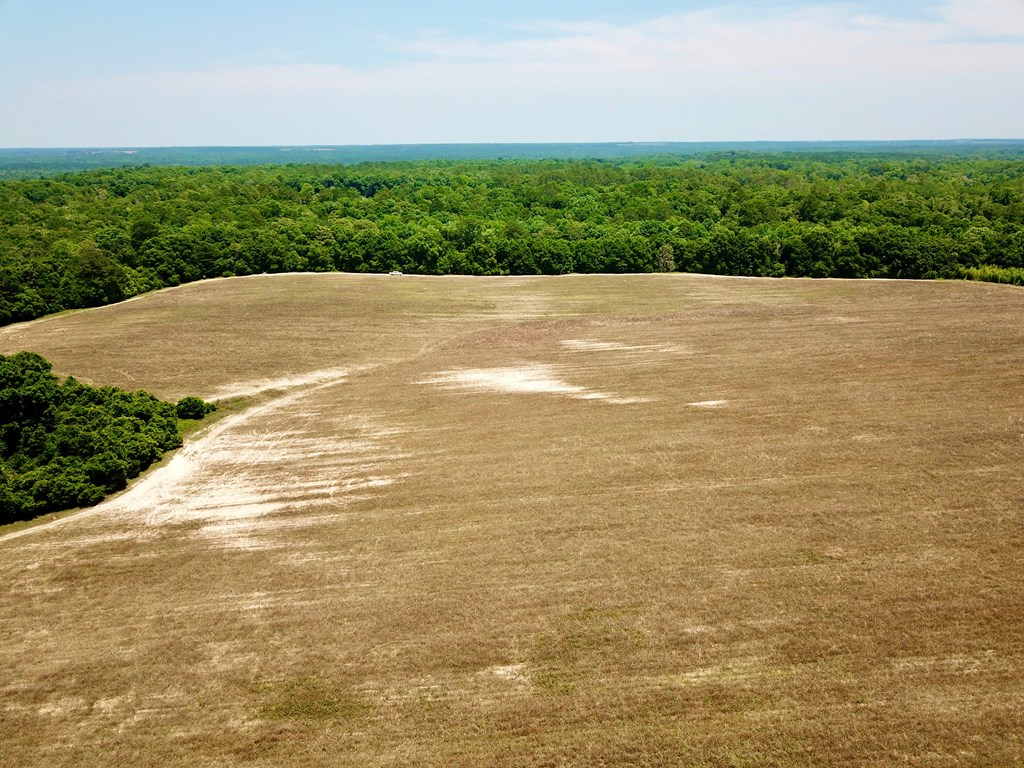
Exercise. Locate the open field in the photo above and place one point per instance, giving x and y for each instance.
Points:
(582, 520)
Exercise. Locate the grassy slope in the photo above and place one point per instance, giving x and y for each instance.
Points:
(823, 570)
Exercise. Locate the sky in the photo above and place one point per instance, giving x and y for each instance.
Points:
(114, 73)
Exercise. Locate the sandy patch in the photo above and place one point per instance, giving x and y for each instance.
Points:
(740, 668)
(514, 673)
(243, 471)
(250, 388)
(533, 379)
(589, 345)
(845, 320)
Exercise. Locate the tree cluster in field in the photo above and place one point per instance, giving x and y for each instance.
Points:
(97, 237)
(66, 444)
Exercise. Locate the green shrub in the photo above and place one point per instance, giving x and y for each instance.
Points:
(194, 408)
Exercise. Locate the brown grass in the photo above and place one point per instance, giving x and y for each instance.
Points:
(371, 570)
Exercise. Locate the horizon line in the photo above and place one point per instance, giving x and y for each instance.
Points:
(639, 143)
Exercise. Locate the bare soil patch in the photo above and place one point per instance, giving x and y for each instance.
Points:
(531, 379)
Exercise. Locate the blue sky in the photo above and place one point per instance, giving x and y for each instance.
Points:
(222, 72)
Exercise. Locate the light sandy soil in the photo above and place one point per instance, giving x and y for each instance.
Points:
(258, 387)
(532, 379)
(591, 520)
(591, 345)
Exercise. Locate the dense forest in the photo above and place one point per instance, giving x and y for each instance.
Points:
(67, 444)
(99, 236)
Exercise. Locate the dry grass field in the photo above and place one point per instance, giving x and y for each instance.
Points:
(587, 520)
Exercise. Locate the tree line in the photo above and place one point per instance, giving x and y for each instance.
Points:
(96, 237)
(67, 444)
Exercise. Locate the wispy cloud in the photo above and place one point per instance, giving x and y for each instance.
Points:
(792, 41)
(828, 71)
(993, 18)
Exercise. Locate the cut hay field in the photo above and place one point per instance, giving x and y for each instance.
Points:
(585, 520)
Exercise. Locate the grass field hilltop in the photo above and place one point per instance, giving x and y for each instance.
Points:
(588, 520)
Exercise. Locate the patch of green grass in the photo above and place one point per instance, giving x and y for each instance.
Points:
(311, 699)
(18, 525)
(554, 683)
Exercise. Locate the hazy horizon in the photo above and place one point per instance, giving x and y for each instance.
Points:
(321, 146)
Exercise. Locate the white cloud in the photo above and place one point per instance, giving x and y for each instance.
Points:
(996, 18)
(796, 41)
(812, 73)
